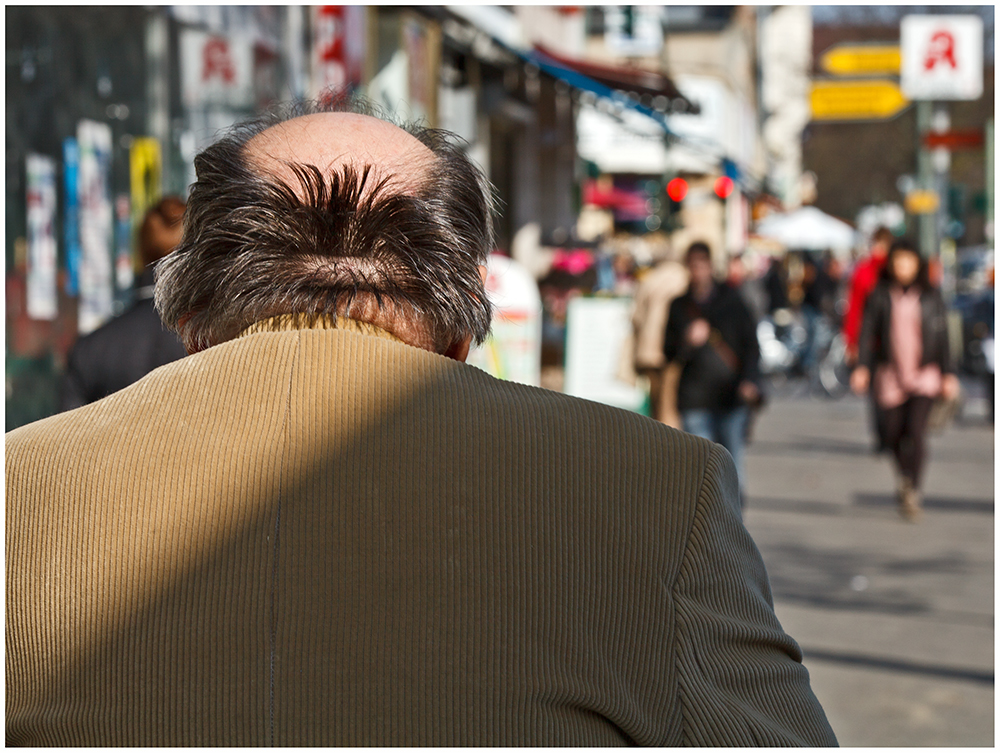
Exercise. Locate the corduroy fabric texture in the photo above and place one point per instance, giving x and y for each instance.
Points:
(323, 536)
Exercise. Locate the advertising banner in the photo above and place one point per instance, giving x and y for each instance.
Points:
(339, 36)
(95, 222)
(597, 335)
(146, 175)
(71, 219)
(124, 262)
(513, 350)
(41, 183)
(145, 184)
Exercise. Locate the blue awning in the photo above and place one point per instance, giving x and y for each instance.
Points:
(579, 81)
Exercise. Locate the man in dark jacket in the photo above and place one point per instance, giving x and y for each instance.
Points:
(713, 336)
(130, 346)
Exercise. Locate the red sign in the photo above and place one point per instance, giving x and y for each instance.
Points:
(954, 140)
(339, 44)
(217, 61)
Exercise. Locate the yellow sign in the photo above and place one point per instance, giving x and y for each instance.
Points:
(922, 202)
(862, 60)
(146, 171)
(877, 99)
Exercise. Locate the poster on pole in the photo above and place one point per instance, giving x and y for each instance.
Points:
(71, 209)
(95, 222)
(43, 302)
(339, 36)
(145, 178)
(124, 263)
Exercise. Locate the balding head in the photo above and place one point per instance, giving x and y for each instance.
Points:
(331, 141)
(326, 211)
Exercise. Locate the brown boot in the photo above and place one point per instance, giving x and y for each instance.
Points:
(910, 503)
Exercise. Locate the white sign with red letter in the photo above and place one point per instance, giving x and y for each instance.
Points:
(216, 70)
(942, 57)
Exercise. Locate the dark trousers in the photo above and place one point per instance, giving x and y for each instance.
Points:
(876, 419)
(904, 432)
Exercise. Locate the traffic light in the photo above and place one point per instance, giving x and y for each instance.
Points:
(724, 186)
(676, 189)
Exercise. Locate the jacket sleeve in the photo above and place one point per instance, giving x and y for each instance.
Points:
(855, 307)
(871, 325)
(73, 391)
(674, 347)
(947, 361)
(741, 680)
(750, 357)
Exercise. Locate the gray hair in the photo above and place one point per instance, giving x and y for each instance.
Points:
(252, 249)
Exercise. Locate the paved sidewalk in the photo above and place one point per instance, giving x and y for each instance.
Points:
(895, 619)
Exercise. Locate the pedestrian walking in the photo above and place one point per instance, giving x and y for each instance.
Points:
(128, 347)
(712, 336)
(863, 281)
(904, 358)
(657, 289)
(818, 309)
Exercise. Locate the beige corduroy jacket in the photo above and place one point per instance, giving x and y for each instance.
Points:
(323, 536)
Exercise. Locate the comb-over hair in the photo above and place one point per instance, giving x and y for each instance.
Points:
(253, 249)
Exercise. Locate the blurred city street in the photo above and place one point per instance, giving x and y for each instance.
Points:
(895, 619)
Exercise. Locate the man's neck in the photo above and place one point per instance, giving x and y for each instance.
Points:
(702, 292)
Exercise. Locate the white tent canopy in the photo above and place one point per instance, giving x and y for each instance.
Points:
(809, 228)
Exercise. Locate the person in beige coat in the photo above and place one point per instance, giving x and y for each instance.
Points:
(323, 528)
(651, 305)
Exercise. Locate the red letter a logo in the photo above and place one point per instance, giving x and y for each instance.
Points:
(941, 50)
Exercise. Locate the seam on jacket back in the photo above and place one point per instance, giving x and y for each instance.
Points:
(273, 619)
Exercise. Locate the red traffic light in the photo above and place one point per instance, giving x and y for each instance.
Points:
(677, 189)
(724, 186)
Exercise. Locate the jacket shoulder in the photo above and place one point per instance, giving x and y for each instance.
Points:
(600, 439)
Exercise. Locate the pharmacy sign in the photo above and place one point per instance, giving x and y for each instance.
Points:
(942, 57)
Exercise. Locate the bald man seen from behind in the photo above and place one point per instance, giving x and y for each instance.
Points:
(324, 528)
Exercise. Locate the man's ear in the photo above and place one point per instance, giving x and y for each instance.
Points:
(180, 324)
(460, 350)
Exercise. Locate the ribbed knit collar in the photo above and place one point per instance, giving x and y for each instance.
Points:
(289, 322)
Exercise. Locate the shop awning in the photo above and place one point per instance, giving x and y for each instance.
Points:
(622, 86)
(583, 82)
(631, 79)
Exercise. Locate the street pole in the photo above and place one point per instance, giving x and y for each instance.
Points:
(941, 162)
(988, 230)
(925, 177)
(158, 92)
